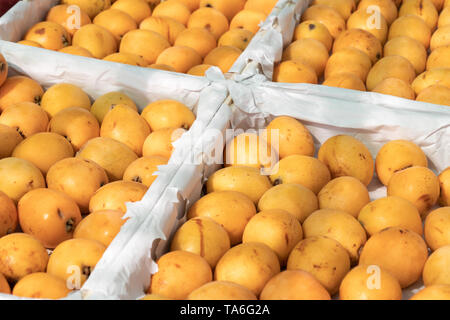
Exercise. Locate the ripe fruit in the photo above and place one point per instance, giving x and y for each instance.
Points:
(303, 170)
(390, 67)
(48, 215)
(249, 150)
(440, 76)
(347, 156)
(294, 137)
(390, 212)
(251, 265)
(115, 21)
(294, 72)
(366, 20)
(180, 273)
(344, 7)
(3, 69)
(444, 181)
(49, 35)
(441, 37)
(308, 51)
(435, 292)
(211, 19)
(444, 17)
(346, 81)
(362, 40)
(242, 179)
(70, 17)
(77, 125)
(21, 254)
(113, 156)
(90, 7)
(127, 126)
(41, 285)
(232, 210)
(164, 114)
(143, 169)
(238, 38)
(311, 29)
(344, 193)
(147, 44)
(397, 155)
(180, 58)
(96, 39)
(366, 282)
(64, 95)
(101, 226)
(276, 228)
(327, 16)
(437, 267)
(191, 4)
(74, 260)
(424, 9)
(248, 20)
(294, 285)
(338, 225)
(398, 251)
(167, 27)
(349, 60)
(19, 89)
(202, 236)
(108, 101)
(437, 224)
(395, 87)
(115, 195)
(8, 215)
(296, 199)
(439, 58)
(4, 285)
(222, 290)
(411, 26)
(264, 6)
(30, 43)
(164, 67)
(68, 175)
(78, 51)
(160, 142)
(57, 148)
(199, 39)
(387, 8)
(229, 8)
(408, 48)
(199, 70)
(9, 139)
(137, 9)
(419, 185)
(323, 258)
(223, 57)
(18, 177)
(173, 9)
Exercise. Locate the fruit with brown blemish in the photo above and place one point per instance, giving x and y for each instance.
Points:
(143, 169)
(331, 18)
(49, 35)
(108, 101)
(9, 139)
(444, 182)
(239, 38)
(211, 19)
(69, 174)
(437, 228)
(365, 20)
(41, 285)
(8, 215)
(163, 114)
(19, 89)
(362, 40)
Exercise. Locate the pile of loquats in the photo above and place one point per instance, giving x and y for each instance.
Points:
(399, 48)
(185, 36)
(67, 168)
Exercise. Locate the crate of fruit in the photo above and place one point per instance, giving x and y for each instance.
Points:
(82, 165)
(178, 36)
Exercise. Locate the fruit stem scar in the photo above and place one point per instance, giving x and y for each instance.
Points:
(70, 225)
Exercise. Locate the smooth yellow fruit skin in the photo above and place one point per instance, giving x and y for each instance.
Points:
(444, 182)
(239, 38)
(424, 9)
(168, 113)
(362, 40)
(142, 170)
(410, 49)
(8, 215)
(395, 87)
(251, 265)
(397, 155)
(390, 212)
(293, 71)
(180, 273)
(107, 102)
(328, 16)
(436, 228)
(9, 139)
(349, 60)
(324, 258)
(41, 285)
(19, 89)
(96, 39)
(437, 267)
(398, 251)
(92, 8)
(435, 292)
(438, 76)
(4, 285)
(355, 285)
(222, 290)
(411, 26)
(390, 67)
(21, 254)
(64, 95)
